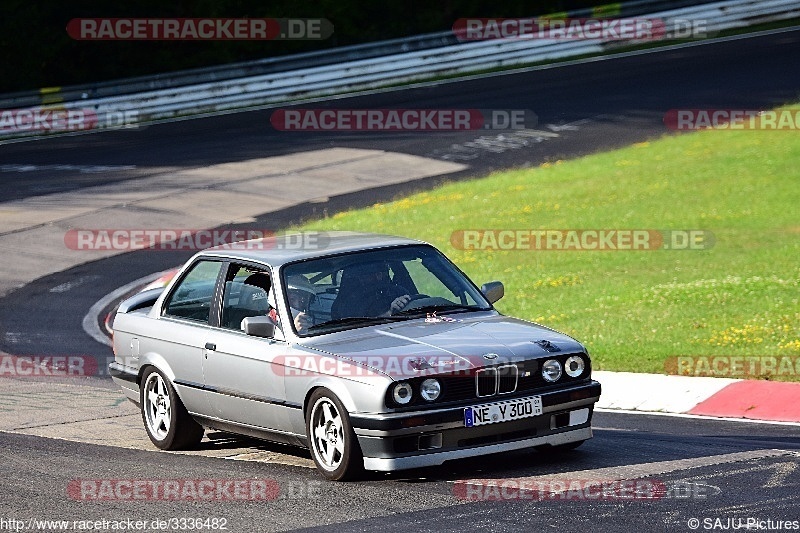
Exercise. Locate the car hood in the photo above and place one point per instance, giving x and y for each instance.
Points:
(428, 348)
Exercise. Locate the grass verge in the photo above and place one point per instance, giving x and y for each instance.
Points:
(636, 310)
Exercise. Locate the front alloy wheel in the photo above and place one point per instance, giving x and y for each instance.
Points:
(169, 425)
(333, 444)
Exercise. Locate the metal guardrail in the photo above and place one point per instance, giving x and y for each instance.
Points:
(319, 74)
(229, 71)
(317, 58)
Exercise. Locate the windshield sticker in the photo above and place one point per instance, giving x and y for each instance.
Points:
(431, 317)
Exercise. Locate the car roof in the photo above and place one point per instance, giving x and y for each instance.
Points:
(285, 248)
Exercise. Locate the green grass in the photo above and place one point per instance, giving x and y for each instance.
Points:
(636, 309)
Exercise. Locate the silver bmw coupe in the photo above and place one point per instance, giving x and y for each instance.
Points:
(375, 352)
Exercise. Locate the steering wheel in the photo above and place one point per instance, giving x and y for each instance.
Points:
(419, 296)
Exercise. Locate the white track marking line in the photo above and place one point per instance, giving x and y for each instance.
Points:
(90, 325)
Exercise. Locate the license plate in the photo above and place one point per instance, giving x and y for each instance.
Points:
(506, 411)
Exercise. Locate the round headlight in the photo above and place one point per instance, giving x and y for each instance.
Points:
(574, 366)
(551, 370)
(430, 389)
(402, 393)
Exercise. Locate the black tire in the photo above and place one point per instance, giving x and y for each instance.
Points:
(166, 420)
(337, 464)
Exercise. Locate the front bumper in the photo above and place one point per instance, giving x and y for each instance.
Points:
(427, 438)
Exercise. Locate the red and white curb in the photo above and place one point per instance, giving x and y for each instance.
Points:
(700, 396)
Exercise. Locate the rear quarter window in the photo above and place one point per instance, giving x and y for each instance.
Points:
(192, 298)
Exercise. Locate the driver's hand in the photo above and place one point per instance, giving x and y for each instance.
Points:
(399, 303)
(302, 321)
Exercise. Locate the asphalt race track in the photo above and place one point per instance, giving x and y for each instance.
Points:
(709, 470)
(728, 469)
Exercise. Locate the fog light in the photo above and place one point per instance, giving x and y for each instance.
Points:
(574, 366)
(551, 370)
(430, 389)
(402, 393)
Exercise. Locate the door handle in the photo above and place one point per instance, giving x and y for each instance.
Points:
(211, 346)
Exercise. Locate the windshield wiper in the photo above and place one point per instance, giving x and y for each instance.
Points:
(441, 307)
(355, 320)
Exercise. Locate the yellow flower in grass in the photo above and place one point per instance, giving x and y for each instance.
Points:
(793, 346)
(560, 281)
(775, 331)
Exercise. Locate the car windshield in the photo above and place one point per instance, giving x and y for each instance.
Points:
(374, 287)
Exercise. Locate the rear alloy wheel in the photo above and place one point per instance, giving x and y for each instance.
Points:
(169, 425)
(333, 443)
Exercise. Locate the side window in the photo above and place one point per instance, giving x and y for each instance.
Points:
(193, 296)
(247, 293)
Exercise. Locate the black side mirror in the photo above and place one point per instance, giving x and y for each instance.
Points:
(259, 326)
(493, 291)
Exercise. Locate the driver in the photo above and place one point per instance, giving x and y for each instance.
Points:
(301, 294)
(384, 296)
